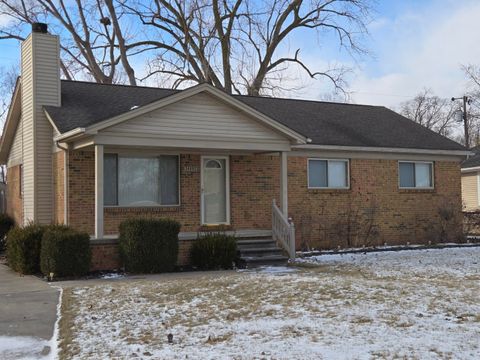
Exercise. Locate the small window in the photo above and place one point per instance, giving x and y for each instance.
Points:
(328, 174)
(213, 164)
(415, 175)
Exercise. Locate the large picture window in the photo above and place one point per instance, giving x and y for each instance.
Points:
(140, 181)
(415, 174)
(327, 174)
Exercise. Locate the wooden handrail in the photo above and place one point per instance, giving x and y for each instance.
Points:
(283, 230)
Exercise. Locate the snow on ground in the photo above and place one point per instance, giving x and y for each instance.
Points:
(24, 347)
(411, 304)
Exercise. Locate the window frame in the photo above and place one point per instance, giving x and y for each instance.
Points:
(432, 174)
(146, 156)
(347, 161)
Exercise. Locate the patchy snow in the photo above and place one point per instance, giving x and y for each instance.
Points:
(271, 270)
(32, 348)
(24, 347)
(110, 276)
(410, 304)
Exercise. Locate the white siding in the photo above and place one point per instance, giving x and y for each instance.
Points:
(470, 191)
(199, 117)
(16, 157)
(40, 86)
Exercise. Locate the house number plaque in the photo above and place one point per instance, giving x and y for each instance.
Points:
(191, 168)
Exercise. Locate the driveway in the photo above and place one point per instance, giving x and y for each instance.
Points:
(28, 311)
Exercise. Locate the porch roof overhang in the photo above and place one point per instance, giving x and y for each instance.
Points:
(98, 134)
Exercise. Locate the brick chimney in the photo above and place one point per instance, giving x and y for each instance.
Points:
(40, 85)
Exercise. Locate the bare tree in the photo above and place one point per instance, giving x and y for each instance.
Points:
(472, 73)
(431, 111)
(92, 36)
(241, 45)
(8, 78)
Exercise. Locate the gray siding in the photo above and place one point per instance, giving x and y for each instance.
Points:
(199, 117)
(40, 86)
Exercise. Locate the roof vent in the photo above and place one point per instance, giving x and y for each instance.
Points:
(134, 107)
(39, 28)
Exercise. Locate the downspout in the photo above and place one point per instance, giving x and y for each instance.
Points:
(66, 151)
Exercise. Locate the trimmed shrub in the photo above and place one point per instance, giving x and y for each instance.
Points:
(65, 252)
(6, 223)
(23, 248)
(149, 245)
(214, 251)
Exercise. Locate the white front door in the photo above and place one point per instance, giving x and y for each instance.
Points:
(215, 190)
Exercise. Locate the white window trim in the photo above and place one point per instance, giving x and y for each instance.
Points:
(328, 187)
(227, 187)
(417, 187)
(138, 155)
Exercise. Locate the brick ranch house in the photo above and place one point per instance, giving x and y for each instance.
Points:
(92, 155)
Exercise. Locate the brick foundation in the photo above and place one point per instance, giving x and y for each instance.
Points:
(107, 257)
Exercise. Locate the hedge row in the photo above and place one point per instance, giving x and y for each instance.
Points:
(53, 250)
(6, 223)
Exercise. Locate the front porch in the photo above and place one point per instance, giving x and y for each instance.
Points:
(236, 196)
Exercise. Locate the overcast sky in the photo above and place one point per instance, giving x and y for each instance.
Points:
(413, 45)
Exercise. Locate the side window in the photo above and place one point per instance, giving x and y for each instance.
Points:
(323, 173)
(415, 174)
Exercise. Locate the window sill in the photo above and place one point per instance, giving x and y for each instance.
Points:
(416, 190)
(328, 190)
(141, 209)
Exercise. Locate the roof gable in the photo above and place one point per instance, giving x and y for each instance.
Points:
(200, 116)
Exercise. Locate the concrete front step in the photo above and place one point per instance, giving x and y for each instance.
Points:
(254, 243)
(259, 252)
(272, 260)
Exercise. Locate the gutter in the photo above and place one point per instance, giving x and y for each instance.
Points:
(470, 169)
(69, 134)
(383, 149)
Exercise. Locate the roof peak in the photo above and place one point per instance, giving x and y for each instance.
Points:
(235, 95)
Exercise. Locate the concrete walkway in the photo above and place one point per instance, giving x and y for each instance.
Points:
(28, 311)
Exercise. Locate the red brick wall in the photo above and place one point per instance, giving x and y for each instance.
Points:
(14, 199)
(373, 211)
(105, 257)
(81, 190)
(59, 187)
(254, 182)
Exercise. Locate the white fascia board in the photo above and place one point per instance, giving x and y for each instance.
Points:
(384, 149)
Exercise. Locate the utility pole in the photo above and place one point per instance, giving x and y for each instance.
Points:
(466, 100)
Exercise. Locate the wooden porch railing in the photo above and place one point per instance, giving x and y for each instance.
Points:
(283, 230)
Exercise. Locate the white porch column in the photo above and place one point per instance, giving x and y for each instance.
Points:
(283, 183)
(98, 191)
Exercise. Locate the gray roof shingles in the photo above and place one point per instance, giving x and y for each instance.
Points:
(472, 161)
(326, 123)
